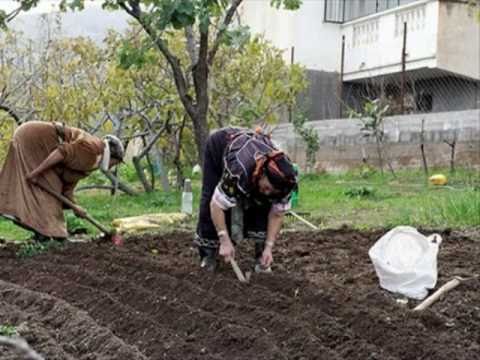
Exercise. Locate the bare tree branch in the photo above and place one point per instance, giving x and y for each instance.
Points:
(191, 44)
(122, 186)
(11, 113)
(13, 14)
(174, 62)
(223, 28)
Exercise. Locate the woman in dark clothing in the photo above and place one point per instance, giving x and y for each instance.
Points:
(242, 168)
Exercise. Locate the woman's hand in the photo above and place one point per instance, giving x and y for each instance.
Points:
(227, 250)
(32, 178)
(267, 257)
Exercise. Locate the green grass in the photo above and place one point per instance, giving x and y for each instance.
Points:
(361, 198)
(372, 200)
(29, 249)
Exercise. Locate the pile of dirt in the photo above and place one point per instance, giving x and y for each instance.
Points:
(148, 300)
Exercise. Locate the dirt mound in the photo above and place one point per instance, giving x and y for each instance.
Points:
(149, 300)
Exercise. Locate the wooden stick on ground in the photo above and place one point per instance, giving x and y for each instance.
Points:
(21, 345)
(303, 220)
(237, 271)
(452, 284)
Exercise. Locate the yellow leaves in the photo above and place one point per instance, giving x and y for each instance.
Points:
(7, 127)
(254, 84)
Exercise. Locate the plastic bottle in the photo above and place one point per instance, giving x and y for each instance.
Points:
(294, 199)
(187, 197)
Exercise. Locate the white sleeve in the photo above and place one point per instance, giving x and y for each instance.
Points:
(221, 200)
(281, 207)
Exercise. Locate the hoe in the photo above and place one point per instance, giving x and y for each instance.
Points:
(114, 237)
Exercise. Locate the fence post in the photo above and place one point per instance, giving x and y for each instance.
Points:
(292, 61)
(404, 58)
(340, 83)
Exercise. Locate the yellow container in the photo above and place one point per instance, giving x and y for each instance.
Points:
(438, 179)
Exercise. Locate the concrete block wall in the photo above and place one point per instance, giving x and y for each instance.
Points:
(342, 145)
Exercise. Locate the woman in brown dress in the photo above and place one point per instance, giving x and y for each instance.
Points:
(58, 156)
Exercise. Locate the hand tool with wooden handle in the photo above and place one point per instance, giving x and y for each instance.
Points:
(116, 239)
(238, 271)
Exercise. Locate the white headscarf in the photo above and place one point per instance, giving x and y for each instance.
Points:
(105, 162)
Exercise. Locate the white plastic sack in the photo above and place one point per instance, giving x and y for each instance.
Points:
(406, 261)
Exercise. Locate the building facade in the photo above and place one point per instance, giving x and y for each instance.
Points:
(420, 55)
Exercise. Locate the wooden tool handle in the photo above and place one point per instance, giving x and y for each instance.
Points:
(452, 284)
(303, 220)
(71, 205)
(237, 271)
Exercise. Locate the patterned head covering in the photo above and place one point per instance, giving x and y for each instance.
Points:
(280, 172)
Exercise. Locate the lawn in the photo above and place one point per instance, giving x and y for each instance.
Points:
(359, 199)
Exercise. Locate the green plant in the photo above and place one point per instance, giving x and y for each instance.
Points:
(74, 224)
(308, 134)
(29, 249)
(372, 117)
(360, 192)
(8, 330)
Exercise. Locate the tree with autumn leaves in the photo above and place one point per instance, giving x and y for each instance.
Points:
(130, 86)
(205, 25)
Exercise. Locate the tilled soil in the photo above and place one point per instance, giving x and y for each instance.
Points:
(149, 300)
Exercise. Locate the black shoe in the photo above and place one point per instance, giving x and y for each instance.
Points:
(208, 258)
(41, 238)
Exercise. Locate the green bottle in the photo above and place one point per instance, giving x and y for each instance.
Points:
(294, 199)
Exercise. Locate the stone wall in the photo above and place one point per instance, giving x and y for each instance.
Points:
(342, 146)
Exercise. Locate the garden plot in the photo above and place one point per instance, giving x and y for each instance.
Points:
(148, 300)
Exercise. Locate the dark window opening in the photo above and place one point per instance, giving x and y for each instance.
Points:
(340, 11)
(424, 102)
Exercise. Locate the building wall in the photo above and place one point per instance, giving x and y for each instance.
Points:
(373, 44)
(317, 44)
(275, 25)
(458, 40)
(312, 43)
(439, 37)
(342, 145)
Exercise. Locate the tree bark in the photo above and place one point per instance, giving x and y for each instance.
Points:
(197, 109)
(12, 113)
(122, 186)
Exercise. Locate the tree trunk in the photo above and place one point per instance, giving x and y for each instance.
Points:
(200, 82)
(379, 153)
(200, 129)
(141, 175)
(116, 182)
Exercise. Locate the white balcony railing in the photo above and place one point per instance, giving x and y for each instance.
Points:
(373, 44)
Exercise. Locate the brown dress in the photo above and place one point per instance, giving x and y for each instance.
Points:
(30, 146)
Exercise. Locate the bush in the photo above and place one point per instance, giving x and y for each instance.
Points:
(29, 249)
(360, 192)
(75, 225)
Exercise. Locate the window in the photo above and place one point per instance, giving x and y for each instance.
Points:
(334, 11)
(424, 102)
(339, 11)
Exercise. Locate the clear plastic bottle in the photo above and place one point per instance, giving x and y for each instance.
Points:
(187, 197)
